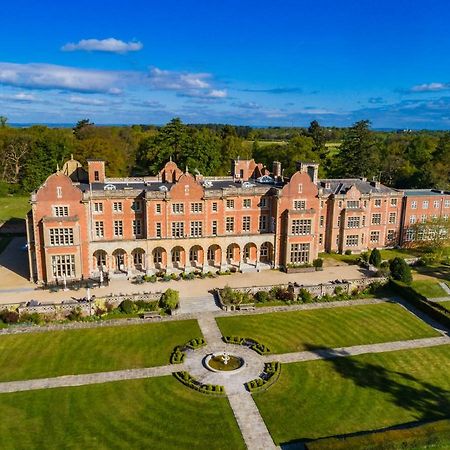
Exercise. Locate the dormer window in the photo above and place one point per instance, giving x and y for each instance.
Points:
(96, 175)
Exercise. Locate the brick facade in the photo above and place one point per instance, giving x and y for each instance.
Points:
(83, 223)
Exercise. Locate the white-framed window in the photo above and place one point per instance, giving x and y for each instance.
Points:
(374, 236)
(118, 228)
(137, 227)
(193, 255)
(196, 228)
(394, 201)
(137, 206)
(60, 211)
(353, 222)
(61, 236)
(117, 207)
(230, 203)
(229, 224)
(98, 207)
(59, 192)
(262, 223)
(352, 240)
(412, 219)
(300, 188)
(436, 204)
(301, 227)
(340, 204)
(410, 234)
(300, 253)
(339, 221)
(363, 222)
(390, 235)
(247, 203)
(377, 203)
(63, 265)
(414, 204)
(392, 217)
(299, 204)
(177, 208)
(376, 219)
(352, 204)
(263, 202)
(214, 207)
(322, 220)
(176, 255)
(246, 223)
(423, 218)
(425, 204)
(158, 256)
(214, 228)
(177, 229)
(446, 203)
(196, 207)
(158, 229)
(320, 238)
(158, 208)
(99, 229)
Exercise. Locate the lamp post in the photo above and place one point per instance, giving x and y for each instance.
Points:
(88, 297)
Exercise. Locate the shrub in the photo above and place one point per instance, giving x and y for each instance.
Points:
(30, 318)
(375, 257)
(364, 256)
(144, 305)
(400, 270)
(99, 311)
(150, 278)
(109, 306)
(348, 252)
(127, 306)
(318, 263)
(262, 297)
(7, 316)
(305, 296)
(75, 314)
(169, 300)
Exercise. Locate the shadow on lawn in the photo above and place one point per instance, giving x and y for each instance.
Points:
(426, 401)
(440, 272)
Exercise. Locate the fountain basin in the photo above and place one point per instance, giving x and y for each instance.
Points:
(216, 363)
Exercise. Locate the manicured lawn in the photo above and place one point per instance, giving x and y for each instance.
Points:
(53, 353)
(346, 395)
(329, 327)
(385, 255)
(13, 208)
(430, 289)
(155, 413)
(446, 305)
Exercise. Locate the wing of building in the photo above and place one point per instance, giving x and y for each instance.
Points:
(83, 223)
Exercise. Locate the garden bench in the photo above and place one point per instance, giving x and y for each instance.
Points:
(150, 315)
(246, 308)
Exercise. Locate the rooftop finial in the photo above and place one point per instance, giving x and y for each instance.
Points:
(57, 167)
(187, 169)
(71, 156)
(170, 158)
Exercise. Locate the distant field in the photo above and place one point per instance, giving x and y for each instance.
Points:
(347, 395)
(53, 353)
(329, 327)
(154, 413)
(13, 208)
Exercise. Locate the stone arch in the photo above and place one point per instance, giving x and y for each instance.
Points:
(119, 260)
(100, 260)
(196, 256)
(214, 255)
(159, 257)
(138, 258)
(266, 252)
(178, 257)
(233, 254)
(250, 253)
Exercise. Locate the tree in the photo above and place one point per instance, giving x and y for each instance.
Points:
(169, 299)
(432, 235)
(316, 132)
(14, 159)
(358, 154)
(80, 128)
(400, 270)
(375, 257)
(3, 121)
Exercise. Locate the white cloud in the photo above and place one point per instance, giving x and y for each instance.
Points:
(172, 80)
(19, 97)
(110, 45)
(86, 101)
(430, 87)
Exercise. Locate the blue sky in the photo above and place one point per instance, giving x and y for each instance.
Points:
(241, 62)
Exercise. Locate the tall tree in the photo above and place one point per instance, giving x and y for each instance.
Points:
(316, 132)
(3, 121)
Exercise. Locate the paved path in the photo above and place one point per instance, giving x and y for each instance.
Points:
(209, 328)
(205, 303)
(445, 287)
(253, 428)
(358, 350)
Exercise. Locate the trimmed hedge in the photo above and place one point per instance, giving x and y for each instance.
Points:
(271, 373)
(177, 356)
(188, 380)
(426, 435)
(196, 343)
(251, 343)
(433, 309)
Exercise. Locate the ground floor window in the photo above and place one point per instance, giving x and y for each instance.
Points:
(176, 258)
(230, 252)
(193, 254)
(300, 253)
(247, 252)
(390, 235)
(374, 236)
(138, 258)
(63, 265)
(211, 254)
(157, 256)
(352, 240)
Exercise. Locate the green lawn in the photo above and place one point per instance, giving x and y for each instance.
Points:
(154, 413)
(430, 289)
(446, 305)
(295, 331)
(324, 398)
(53, 353)
(385, 255)
(13, 208)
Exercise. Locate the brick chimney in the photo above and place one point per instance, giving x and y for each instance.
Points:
(96, 170)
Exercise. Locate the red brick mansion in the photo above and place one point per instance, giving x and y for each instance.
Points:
(83, 223)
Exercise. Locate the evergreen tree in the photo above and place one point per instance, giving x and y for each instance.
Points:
(375, 257)
(400, 270)
(316, 132)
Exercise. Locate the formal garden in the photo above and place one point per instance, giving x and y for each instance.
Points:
(341, 396)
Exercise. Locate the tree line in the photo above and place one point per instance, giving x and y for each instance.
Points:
(402, 160)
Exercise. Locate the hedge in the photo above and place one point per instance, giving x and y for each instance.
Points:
(196, 343)
(188, 380)
(433, 309)
(178, 354)
(254, 345)
(271, 373)
(428, 435)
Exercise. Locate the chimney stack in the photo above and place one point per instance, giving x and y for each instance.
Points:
(277, 170)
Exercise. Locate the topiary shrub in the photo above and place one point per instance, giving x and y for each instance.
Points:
(127, 306)
(305, 296)
(262, 297)
(318, 263)
(169, 300)
(400, 270)
(348, 252)
(375, 257)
